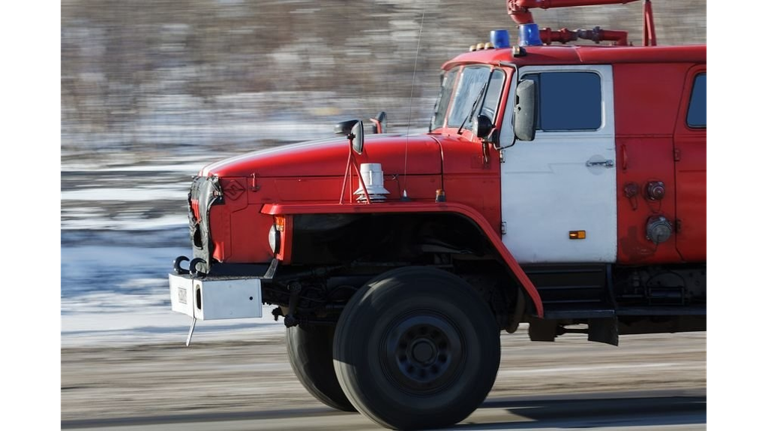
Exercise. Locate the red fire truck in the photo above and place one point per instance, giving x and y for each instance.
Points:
(563, 186)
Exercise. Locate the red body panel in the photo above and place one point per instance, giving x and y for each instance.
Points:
(691, 180)
(237, 228)
(329, 157)
(472, 180)
(651, 102)
(645, 153)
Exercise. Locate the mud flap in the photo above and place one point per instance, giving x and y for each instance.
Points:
(543, 329)
(604, 330)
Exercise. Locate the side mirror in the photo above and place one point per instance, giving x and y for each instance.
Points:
(380, 122)
(482, 126)
(353, 129)
(525, 110)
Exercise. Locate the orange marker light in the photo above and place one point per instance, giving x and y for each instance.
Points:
(577, 234)
(280, 223)
(439, 195)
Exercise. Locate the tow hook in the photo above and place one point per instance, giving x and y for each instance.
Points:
(193, 268)
(177, 265)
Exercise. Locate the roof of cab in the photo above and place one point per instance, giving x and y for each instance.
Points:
(580, 54)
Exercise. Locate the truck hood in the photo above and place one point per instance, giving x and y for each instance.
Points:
(329, 158)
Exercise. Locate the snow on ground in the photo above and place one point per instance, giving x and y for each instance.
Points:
(117, 247)
(80, 221)
(117, 294)
(126, 194)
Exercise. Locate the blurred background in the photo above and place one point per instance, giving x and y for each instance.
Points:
(143, 78)
(151, 90)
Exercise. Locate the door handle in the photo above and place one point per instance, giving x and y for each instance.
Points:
(624, 157)
(604, 163)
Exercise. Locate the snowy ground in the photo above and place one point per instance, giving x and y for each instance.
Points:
(121, 227)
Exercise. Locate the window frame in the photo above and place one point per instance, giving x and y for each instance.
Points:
(607, 87)
(608, 129)
(602, 112)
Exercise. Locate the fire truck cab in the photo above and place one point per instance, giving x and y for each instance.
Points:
(559, 186)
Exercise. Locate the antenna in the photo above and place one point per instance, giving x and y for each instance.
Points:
(410, 106)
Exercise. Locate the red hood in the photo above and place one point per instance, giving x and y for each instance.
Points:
(329, 158)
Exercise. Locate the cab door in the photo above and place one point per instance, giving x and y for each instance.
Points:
(691, 168)
(564, 181)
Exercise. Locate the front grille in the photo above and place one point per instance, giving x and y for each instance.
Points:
(203, 193)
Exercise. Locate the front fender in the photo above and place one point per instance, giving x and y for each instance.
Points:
(466, 211)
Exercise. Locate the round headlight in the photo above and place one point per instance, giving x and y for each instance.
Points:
(274, 239)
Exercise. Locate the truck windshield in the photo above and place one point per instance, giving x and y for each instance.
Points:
(471, 80)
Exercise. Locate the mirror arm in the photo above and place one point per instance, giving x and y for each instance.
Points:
(514, 140)
(493, 137)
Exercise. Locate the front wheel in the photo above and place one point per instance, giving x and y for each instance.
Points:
(416, 348)
(309, 351)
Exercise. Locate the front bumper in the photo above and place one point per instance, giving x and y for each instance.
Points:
(215, 298)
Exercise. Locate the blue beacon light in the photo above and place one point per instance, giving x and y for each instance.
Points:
(500, 38)
(529, 35)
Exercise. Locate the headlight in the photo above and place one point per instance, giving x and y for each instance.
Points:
(274, 239)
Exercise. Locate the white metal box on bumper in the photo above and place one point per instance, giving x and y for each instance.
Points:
(220, 298)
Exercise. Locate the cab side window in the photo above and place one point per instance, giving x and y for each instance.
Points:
(568, 101)
(697, 109)
(493, 94)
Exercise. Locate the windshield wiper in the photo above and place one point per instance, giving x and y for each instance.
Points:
(474, 106)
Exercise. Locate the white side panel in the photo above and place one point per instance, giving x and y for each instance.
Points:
(548, 190)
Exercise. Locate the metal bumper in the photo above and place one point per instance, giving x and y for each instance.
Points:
(215, 298)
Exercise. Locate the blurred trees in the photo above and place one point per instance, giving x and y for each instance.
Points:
(142, 75)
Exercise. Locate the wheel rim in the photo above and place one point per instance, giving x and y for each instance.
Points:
(422, 352)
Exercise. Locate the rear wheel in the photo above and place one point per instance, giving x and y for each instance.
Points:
(416, 348)
(310, 354)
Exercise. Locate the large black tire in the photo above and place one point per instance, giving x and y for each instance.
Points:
(416, 348)
(310, 354)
